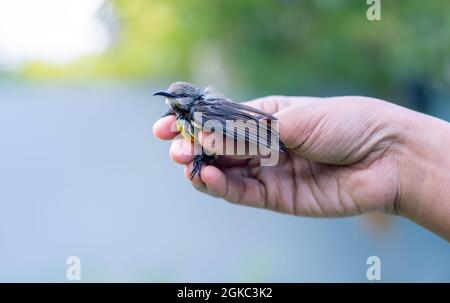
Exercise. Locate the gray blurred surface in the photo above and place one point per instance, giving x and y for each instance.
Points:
(81, 174)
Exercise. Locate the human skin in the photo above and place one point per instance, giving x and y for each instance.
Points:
(347, 156)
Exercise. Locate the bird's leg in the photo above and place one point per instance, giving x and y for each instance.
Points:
(168, 112)
(198, 162)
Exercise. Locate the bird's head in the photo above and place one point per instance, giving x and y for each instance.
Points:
(180, 94)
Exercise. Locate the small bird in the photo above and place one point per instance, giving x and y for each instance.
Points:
(184, 100)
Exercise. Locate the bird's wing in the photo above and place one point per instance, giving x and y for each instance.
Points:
(250, 124)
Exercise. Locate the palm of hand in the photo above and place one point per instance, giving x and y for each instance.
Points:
(308, 188)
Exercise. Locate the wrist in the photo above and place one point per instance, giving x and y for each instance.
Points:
(424, 168)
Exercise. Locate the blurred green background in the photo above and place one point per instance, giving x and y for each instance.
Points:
(303, 47)
(81, 173)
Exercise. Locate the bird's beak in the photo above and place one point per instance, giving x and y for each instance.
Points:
(164, 93)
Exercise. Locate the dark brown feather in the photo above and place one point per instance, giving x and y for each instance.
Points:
(222, 110)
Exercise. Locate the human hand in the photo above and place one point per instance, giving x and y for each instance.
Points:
(348, 156)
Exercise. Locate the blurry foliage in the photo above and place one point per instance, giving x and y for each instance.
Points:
(275, 46)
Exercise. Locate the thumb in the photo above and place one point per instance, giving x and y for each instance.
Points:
(300, 128)
(337, 131)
